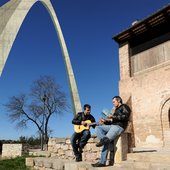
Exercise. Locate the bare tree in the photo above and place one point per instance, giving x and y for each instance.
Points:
(45, 99)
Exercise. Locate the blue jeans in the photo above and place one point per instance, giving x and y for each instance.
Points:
(110, 131)
(79, 140)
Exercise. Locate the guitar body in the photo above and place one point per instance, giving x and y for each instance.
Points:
(80, 128)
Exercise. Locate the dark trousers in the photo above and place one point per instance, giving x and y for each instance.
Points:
(78, 141)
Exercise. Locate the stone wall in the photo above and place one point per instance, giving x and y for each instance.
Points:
(13, 150)
(61, 148)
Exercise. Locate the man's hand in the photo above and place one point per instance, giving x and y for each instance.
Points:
(102, 121)
(109, 116)
(84, 123)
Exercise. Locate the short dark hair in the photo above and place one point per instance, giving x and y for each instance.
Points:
(87, 105)
(118, 98)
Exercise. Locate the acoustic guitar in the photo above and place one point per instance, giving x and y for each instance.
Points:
(80, 128)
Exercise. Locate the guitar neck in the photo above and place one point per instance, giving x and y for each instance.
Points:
(94, 123)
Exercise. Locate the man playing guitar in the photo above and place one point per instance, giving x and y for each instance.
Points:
(82, 121)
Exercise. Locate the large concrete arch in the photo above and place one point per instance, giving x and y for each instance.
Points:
(12, 15)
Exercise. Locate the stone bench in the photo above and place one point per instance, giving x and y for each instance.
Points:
(121, 148)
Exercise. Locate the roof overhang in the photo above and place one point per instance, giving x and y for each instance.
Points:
(149, 25)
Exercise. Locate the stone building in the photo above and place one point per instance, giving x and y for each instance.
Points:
(144, 57)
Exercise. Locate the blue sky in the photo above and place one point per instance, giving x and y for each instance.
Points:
(88, 27)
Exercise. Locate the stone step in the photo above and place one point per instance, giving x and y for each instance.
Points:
(145, 159)
(48, 163)
(39, 153)
(87, 166)
(160, 166)
(40, 163)
(162, 157)
(133, 164)
(145, 165)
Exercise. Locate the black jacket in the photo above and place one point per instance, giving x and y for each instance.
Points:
(121, 116)
(82, 117)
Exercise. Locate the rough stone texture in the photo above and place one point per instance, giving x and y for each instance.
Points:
(61, 149)
(29, 162)
(13, 150)
(58, 165)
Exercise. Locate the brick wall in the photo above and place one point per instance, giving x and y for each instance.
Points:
(148, 90)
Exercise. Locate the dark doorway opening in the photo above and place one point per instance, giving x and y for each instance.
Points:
(1, 147)
(169, 117)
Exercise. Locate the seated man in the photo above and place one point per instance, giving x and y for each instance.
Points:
(112, 127)
(82, 133)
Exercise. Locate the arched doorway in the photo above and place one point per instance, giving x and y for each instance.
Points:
(165, 116)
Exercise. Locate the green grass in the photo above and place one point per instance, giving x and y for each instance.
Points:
(13, 164)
